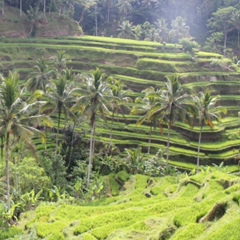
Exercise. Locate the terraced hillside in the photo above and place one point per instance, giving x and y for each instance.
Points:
(199, 207)
(139, 65)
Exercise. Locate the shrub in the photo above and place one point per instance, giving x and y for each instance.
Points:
(56, 236)
(9, 233)
(188, 44)
(115, 187)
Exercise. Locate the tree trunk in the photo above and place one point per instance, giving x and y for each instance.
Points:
(110, 137)
(7, 172)
(20, 8)
(44, 7)
(90, 163)
(238, 37)
(150, 139)
(96, 21)
(58, 126)
(225, 44)
(71, 146)
(168, 141)
(2, 148)
(199, 143)
(108, 14)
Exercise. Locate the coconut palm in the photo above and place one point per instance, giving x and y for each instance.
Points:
(108, 4)
(235, 20)
(207, 113)
(34, 15)
(93, 103)
(126, 30)
(2, 6)
(162, 29)
(60, 98)
(18, 118)
(179, 29)
(172, 103)
(60, 61)
(143, 106)
(119, 101)
(40, 76)
(125, 7)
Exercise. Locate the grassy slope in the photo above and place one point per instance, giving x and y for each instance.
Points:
(140, 64)
(205, 206)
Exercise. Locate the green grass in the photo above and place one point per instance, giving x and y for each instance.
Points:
(174, 209)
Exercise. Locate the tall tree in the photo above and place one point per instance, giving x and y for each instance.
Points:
(235, 20)
(93, 102)
(119, 101)
(179, 29)
(162, 29)
(143, 106)
(2, 6)
(126, 30)
(108, 4)
(34, 15)
(172, 103)
(221, 21)
(18, 118)
(60, 98)
(40, 76)
(207, 112)
(125, 7)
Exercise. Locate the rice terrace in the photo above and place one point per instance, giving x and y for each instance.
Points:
(112, 138)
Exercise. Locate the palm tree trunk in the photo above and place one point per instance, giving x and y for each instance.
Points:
(20, 8)
(238, 36)
(110, 137)
(199, 143)
(58, 126)
(225, 44)
(44, 7)
(108, 13)
(168, 142)
(96, 20)
(7, 172)
(90, 163)
(150, 139)
(2, 148)
(71, 146)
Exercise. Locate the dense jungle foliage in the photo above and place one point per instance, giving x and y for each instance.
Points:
(212, 23)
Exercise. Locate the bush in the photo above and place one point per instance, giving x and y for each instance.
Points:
(9, 233)
(188, 44)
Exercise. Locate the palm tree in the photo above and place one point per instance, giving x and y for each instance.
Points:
(34, 15)
(207, 113)
(93, 102)
(235, 20)
(162, 29)
(2, 6)
(119, 101)
(40, 76)
(143, 106)
(60, 61)
(126, 30)
(172, 103)
(108, 4)
(18, 118)
(125, 7)
(84, 6)
(60, 98)
(179, 29)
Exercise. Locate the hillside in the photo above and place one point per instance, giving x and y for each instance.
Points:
(52, 25)
(141, 64)
(200, 207)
